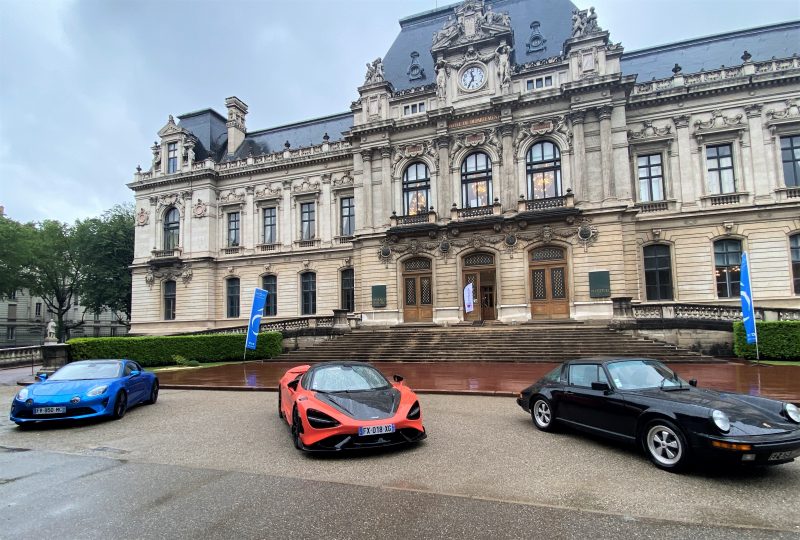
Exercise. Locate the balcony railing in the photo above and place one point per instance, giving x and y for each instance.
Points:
(549, 203)
(166, 253)
(314, 242)
(232, 250)
(711, 312)
(343, 239)
(476, 212)
(416, 219)
(648, 207)
(263, 248)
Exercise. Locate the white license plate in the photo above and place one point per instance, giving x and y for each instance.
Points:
(49, 410)
(375, 430)
(780, 456)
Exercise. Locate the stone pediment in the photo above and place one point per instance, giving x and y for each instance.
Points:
(472, 21)
(171, 128)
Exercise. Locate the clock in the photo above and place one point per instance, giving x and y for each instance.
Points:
(473, 77)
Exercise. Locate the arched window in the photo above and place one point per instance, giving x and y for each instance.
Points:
(232, 297)
(416, 189)
(543, 165)
(476, 180)
(308, 282)
(169, 300)
(727, 266)
(348, 290)
(172, 227)
(794, 243)
(270, 284)
(658, 272)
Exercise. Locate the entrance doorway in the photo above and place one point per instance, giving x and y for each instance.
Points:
(417, 290)
(548, 274)
(479, 270)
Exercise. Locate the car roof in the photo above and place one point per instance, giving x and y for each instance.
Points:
(97, 360)
(608, 359)
(321, 365)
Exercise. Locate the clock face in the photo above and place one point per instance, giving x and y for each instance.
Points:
(473, 78)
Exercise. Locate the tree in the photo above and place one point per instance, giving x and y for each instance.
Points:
(106, 251)
(16, 240)
(54, 270)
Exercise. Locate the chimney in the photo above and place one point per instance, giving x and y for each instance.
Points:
(237, 110)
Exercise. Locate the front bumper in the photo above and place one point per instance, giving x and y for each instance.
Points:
(344, 442)
(763, 450)
(22, 412)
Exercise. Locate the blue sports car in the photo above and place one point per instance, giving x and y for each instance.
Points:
(85, 389)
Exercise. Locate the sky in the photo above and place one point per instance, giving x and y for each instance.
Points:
(86, 84)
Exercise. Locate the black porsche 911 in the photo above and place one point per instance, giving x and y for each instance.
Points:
(642, 401)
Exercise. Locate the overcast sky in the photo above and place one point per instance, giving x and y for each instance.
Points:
(86, 84)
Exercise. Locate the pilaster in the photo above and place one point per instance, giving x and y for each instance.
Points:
(606, 161)
(688, 191)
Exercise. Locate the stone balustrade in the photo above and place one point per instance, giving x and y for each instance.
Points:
(710, 312)
(20, 356)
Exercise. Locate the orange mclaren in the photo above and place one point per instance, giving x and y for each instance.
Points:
(337, 406)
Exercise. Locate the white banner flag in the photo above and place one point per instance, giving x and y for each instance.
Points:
(468, 307)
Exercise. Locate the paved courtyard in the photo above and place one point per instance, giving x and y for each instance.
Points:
(210, 464)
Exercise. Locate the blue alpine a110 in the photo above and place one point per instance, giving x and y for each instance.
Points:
(85, 389)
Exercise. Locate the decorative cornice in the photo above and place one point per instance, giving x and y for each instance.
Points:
(650, 132)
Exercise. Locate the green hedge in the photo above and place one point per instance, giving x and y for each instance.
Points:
(777, 340)
(159, 350)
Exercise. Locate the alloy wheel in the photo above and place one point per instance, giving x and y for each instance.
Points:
(664, 445)
(120, 405)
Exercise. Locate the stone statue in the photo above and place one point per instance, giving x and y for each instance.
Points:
(502, 55)
(51, 332)
(441, 68)
(374, 71)
(578, 23)
(450, 27)
(591, 22)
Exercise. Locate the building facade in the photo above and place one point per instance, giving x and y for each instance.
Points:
(504, 161)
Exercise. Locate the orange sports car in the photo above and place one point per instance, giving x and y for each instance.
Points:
(337, 406)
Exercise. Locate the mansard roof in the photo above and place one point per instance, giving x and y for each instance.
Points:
(211, 132)
(416, 35)
(711, 52)
(305, 133)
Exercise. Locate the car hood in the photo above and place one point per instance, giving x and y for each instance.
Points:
(746, 418)
(363, 405)
(58, 388)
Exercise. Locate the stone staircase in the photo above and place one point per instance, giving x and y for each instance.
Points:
(540, 342)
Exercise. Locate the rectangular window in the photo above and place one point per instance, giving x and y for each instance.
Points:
(10, 334)
(348, 290)
(658, 272)
(270, 284)
(169, 300)
(790, 156)
(96, 316)
(548, 81)
(727, 266)
(232, 296)
(794, 243)
(96, 331)
(651, 178)
(13, 295)
(113, 331)
(233, 229)
(309, 293)
(270, 226)
(529, 85)
(348, 216)
(308, 227)
(415, 108)
(539, 83)
(12, 312)
(172, 158)
(38, 309)
(719, 162)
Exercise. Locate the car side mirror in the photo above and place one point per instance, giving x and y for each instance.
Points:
(293, 385)
(603, 386)
(42, 377)
(692, 382)
(397, 378)
(135, 372)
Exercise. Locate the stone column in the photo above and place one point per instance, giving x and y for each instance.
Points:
(580, 182)
(366, 182)
(383, 201)
(685, 190)
(154, 223)
(328, 228)
(443, 181)
(606, 157)
(287, 231)
(248, 223)
(186, 242)
(759, 183)
(508, 187)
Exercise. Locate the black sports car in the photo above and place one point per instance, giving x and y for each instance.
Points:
(642, 401)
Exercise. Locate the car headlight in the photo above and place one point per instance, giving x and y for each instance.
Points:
(792, 412)
(97, 390)
(721, 420)
(22, 395)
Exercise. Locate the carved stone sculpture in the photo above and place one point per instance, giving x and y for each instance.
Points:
(374, 72)
(442, 71)
(503, 56)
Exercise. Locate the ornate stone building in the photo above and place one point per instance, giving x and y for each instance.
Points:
(508, 145)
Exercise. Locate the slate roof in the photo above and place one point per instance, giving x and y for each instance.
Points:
(416, 34)
(711, 52)
(209, 128)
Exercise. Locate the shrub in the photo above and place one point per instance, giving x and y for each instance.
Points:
(182, 361)
(777, 340)
(160, 350)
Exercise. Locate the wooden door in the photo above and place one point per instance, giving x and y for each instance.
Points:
(549, 298)
(417, 298)
(488, 312)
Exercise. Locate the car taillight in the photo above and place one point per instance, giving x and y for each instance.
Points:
(320, 420)
(414, 411)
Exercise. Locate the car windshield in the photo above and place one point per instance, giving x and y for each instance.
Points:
(637, 374)
(347, 379)
(92, 370)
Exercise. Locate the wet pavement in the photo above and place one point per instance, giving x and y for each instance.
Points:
(490, 378)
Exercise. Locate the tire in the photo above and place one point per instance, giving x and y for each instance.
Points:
(665, 445)
(542, 413)
(153, 393)
(120, 405)
(297, 429)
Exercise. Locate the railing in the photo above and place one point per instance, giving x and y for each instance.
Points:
(343, 239)
(233, 250)
(474, 212)
(283, 325)
(548, 203)
(710, 312)
(308, 243)
(20, 356)
(793, 193)
(646, 207)
(268, 247)
(166, 253)
(718, 200)
(423, 217)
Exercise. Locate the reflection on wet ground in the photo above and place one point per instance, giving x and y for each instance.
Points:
(503, 378)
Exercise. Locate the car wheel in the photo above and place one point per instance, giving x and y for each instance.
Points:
(153, 393)
(280, 411)
(542, 413)
(665, 445)
(297, 429)
(120, 405)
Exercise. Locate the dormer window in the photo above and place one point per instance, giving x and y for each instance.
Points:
(414, 108)
(539, 83)
(172, 157)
